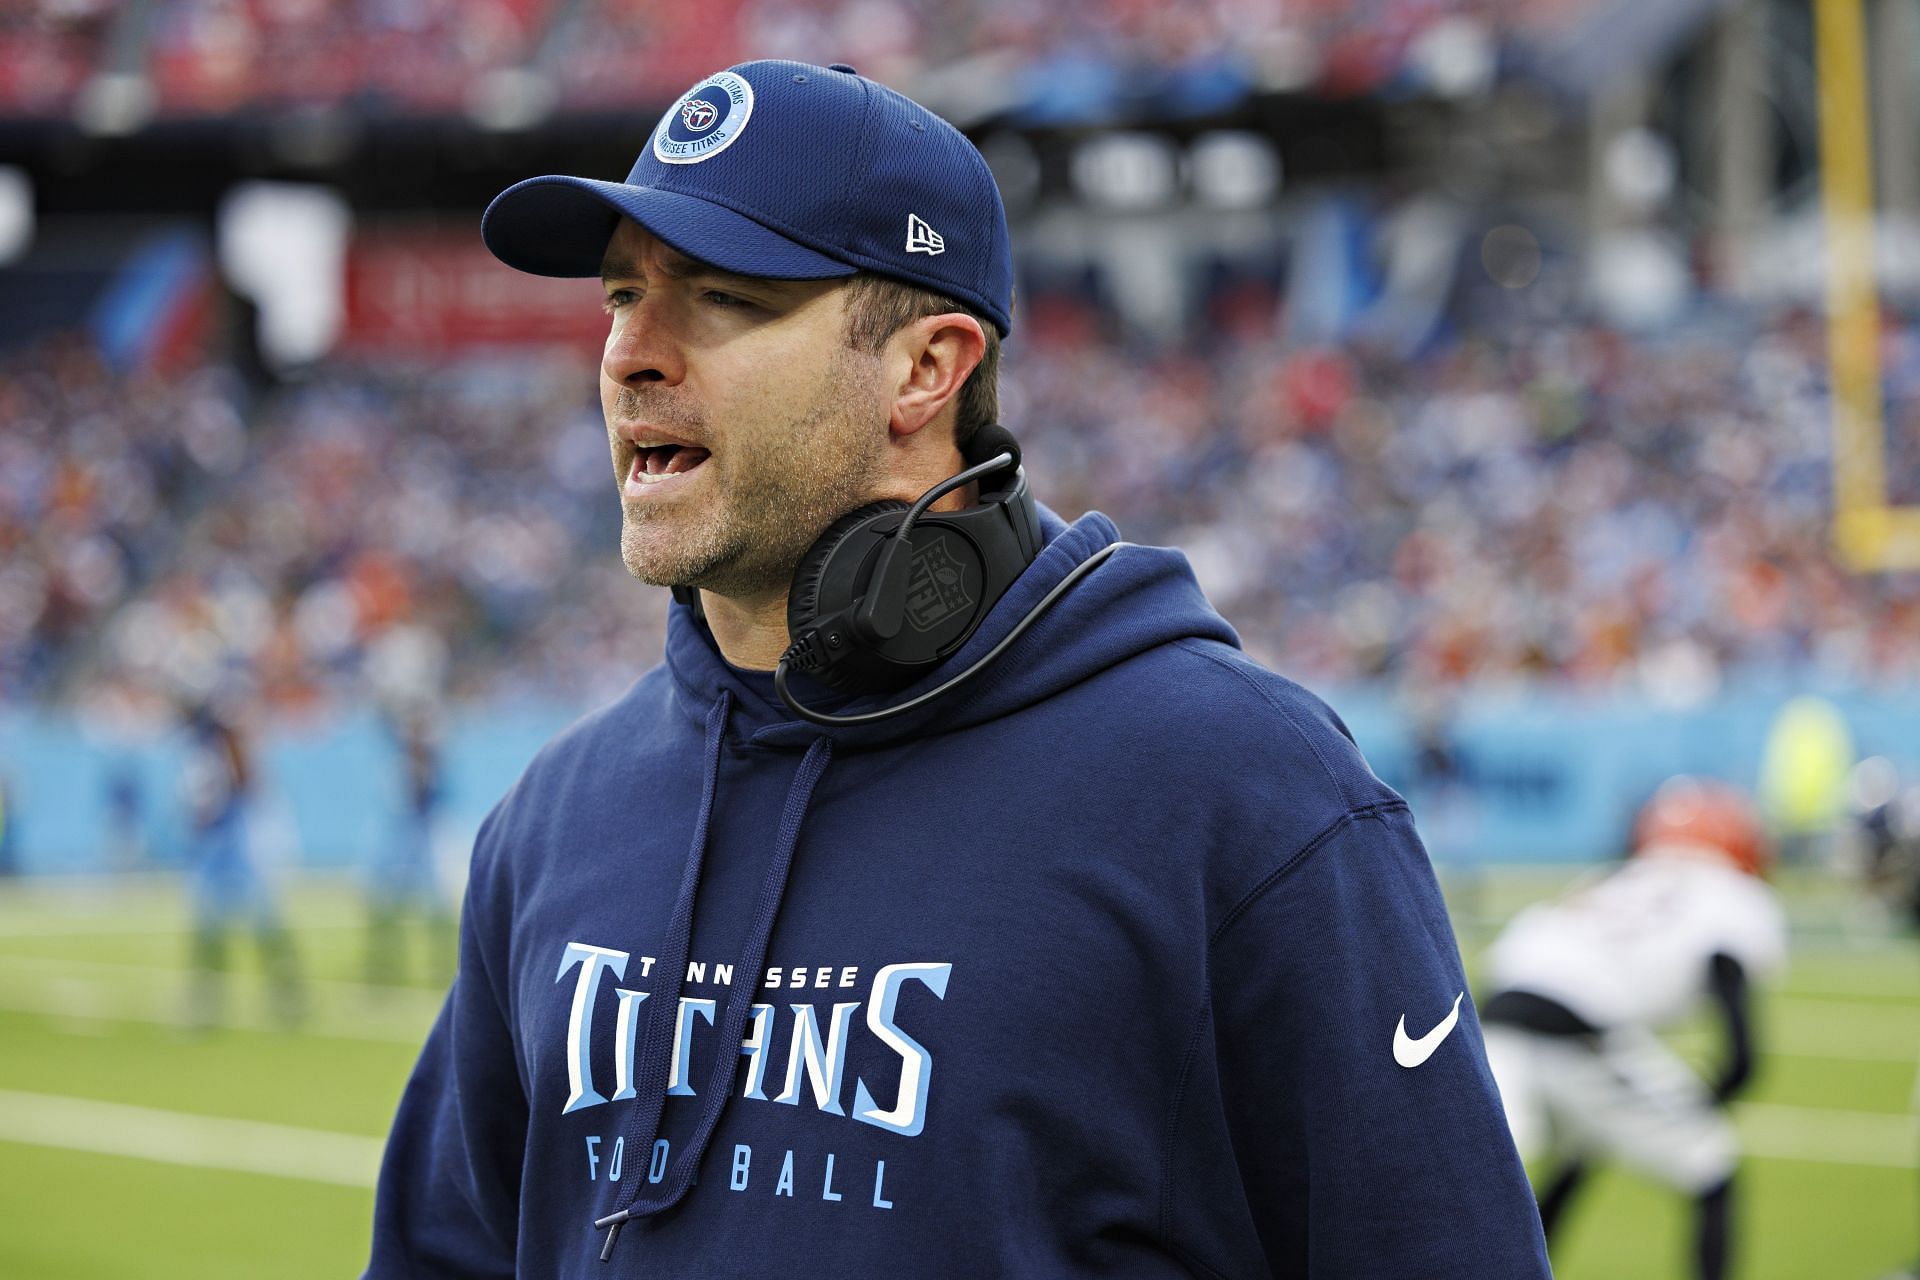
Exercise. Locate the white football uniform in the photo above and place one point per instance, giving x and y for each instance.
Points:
(1628, 953)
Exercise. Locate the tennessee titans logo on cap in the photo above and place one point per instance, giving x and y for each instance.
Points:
(705, 121)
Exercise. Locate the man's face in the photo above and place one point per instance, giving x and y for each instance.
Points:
(740, 421)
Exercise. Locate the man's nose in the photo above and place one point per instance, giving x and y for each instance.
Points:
(642, 346)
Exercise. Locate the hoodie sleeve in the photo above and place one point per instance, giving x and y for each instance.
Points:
(447, 1206)
(1366, 1124)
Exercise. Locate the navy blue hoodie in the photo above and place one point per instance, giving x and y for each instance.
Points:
(1107, 964)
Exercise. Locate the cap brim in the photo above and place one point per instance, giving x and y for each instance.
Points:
(559, 226)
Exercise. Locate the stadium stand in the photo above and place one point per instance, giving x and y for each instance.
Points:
(1576, 505)
(1088, 59)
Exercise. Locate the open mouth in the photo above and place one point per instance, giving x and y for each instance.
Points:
(654, 464)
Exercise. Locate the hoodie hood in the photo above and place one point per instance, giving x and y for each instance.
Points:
(1141, 598)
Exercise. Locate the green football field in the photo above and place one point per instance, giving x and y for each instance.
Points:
(132, 1146)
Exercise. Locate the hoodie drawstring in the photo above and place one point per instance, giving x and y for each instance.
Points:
(650, 1085)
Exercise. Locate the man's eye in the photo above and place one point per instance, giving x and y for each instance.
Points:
(616, 299)
(720, 298)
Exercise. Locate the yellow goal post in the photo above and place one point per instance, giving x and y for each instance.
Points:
(1869, 533)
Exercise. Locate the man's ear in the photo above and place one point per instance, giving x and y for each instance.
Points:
(934, 356)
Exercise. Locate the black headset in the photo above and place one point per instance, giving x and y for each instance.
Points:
(891, 589)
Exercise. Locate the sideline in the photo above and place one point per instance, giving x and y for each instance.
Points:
(177, 1137)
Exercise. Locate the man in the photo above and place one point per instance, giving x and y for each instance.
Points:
(1882, 839)
(1582, 984)
(1881, 843)
(228, 889)
(401, 881)
(1112, 959)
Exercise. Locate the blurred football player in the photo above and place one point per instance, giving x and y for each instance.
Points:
(9, 864)
(228, 890)
(1803, 777)
(1885, 836)
(1580, 986)
(126, 818)
(402, 879)
(1883, 848)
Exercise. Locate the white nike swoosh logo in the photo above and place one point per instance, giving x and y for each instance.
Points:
(1409, 1052)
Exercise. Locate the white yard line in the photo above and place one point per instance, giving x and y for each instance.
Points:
(1858, 1005)
(161, 921)
(1802, 1134)
(89, 1002)
(1818, 1135)
(1837, 1028)
(155, 903)
(93, 991)
(175, 1137)
(87, 991)
(1901, 990)
(424, 1001)
(1843, 1053)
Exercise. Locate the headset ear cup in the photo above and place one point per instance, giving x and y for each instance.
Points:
(803, 597)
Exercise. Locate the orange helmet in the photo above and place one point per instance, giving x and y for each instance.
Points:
(1699, 812)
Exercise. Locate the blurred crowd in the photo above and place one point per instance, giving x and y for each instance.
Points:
(210, 56)
(99, 475)
(215, 56)
(1645, 515)
(359, 536)
(1568, 502)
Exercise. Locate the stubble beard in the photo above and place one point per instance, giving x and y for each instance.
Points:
(781, 488)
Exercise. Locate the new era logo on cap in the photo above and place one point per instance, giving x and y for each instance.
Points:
(922, 238)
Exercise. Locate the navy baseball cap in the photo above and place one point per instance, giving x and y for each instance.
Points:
(788, 171)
